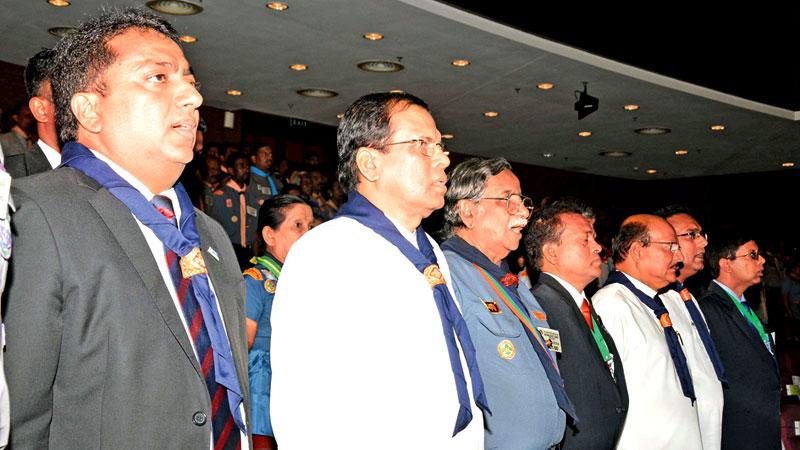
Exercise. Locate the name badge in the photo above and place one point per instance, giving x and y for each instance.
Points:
(252, 211)
(552, 338)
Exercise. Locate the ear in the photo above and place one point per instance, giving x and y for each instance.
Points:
(549, 253)
(368, 163)
(635, 251)
(467, 211)
(724, 265)
(85, 107)
(39, 106)
(268, 233)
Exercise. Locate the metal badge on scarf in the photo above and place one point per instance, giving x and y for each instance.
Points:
(193, 264)
(433, 275)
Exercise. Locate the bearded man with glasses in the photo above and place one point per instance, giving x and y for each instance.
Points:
(751, 415)
(661, 409)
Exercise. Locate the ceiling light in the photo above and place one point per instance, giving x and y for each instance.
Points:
(60, 32)
(652, 131)
(788, 164)
(547, 155)
(298, 67)
(615, 154)
(717, 127)
(545, 86)
(340, 116)
(380, 66)
(176, 7)
(630, 107)
(277, 6)
(372, 36)
(651, 171)
(447, 136)
(584, 133)
(61, 3)
(460, 62)
(681, 152)
(491, 114)
(187, 39)
(317, 93)
(233, 92)
(397, 91)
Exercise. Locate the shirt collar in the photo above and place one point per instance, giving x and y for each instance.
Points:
(641, 286)
(730, 292)
(52, 155)
(411, 236)
(577, 296)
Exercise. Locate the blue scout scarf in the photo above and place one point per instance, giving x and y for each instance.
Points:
(460, 247)
(360, 209)
(182, 242)
(273, 189)
(657, 306)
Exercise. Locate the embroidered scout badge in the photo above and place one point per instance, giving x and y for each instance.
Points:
(506, 349)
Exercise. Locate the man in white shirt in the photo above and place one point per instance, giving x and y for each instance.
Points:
(662, 414)
(364, 350)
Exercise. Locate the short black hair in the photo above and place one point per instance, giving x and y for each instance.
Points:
(271, 214)
(38, 70)
(724, 246)
(628, 234)
(546, 226)
(82, 57)
(366, 124)
(234, 157)
(672, 210)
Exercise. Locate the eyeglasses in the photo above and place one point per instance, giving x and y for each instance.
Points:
(752, 254)
(514, 202)
(424, 146)
(695, 235)
(673, 246)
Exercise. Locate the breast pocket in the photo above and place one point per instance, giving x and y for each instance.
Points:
(504, 324)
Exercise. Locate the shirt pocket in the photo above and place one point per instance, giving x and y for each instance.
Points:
(504, 324)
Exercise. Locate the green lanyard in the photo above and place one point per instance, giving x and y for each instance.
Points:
(269, 263)
(601, 342)
(752, 318)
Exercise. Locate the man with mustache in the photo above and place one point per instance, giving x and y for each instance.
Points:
(485, 213)
(661, 413)
(751, 415)
(708, 373)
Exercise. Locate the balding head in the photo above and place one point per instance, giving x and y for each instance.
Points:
(647, 249)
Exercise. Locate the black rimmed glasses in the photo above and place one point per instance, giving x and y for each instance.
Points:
(673, 246)
(695, 235)
(424, 146)
(515, 203)
(752, 254)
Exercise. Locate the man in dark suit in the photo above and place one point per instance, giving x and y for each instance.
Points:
(44, 154)
(751, 415)
(124, 320)
(561, 245)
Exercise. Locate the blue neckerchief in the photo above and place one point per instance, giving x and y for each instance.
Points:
(181, 241)
(462, 248)
(675, 350)
(360, 209)
(272, 187)
(702, 330)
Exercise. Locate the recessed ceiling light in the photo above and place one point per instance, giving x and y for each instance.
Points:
(652, 131)
(60, 32)
(717, 127)
(547, 155)
(372, 36)
(491, 114)
(584, 133)
(630, 107)
(277, 6)
(460, 62)
(61, 3)
(615, 154)
(380, 66)
(298, 67)
(175, 7)
(651, 171)
(397, 91)
(681, 152)
(188, 39)
(233, 92)
(317, 93)
(788, 164)
(340, 116)
(447, 136)
(545, 86)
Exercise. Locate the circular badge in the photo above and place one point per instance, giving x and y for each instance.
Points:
(506, 349)
(270, 286)
(234, 219)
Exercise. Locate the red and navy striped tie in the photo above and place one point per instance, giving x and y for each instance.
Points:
(226, 434)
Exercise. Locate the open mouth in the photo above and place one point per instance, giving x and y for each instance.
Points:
(187, 129)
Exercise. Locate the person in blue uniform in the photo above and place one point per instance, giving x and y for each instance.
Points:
(281, 221)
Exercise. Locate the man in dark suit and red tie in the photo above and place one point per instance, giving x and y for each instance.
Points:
(124, 323)
(560, 243)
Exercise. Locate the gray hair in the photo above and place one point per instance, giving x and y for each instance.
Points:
(468, 181)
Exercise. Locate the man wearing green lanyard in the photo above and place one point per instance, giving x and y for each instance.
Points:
(751, 415)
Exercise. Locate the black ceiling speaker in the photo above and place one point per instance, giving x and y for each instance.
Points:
(586, 104)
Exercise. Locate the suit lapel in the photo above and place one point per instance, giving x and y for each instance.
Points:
(741, 322)
(36, 160)
(122, 225)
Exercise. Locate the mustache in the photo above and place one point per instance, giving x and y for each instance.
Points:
(517, 222)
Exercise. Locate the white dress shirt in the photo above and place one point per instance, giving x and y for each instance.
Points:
(53, 156)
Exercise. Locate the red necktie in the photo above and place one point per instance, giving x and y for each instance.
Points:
(587, 313)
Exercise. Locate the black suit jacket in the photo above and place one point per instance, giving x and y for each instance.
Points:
(27, 163)
(97, 355)
(751, 415)
(600, 401)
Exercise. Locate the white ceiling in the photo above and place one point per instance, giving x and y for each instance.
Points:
(243, 45)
